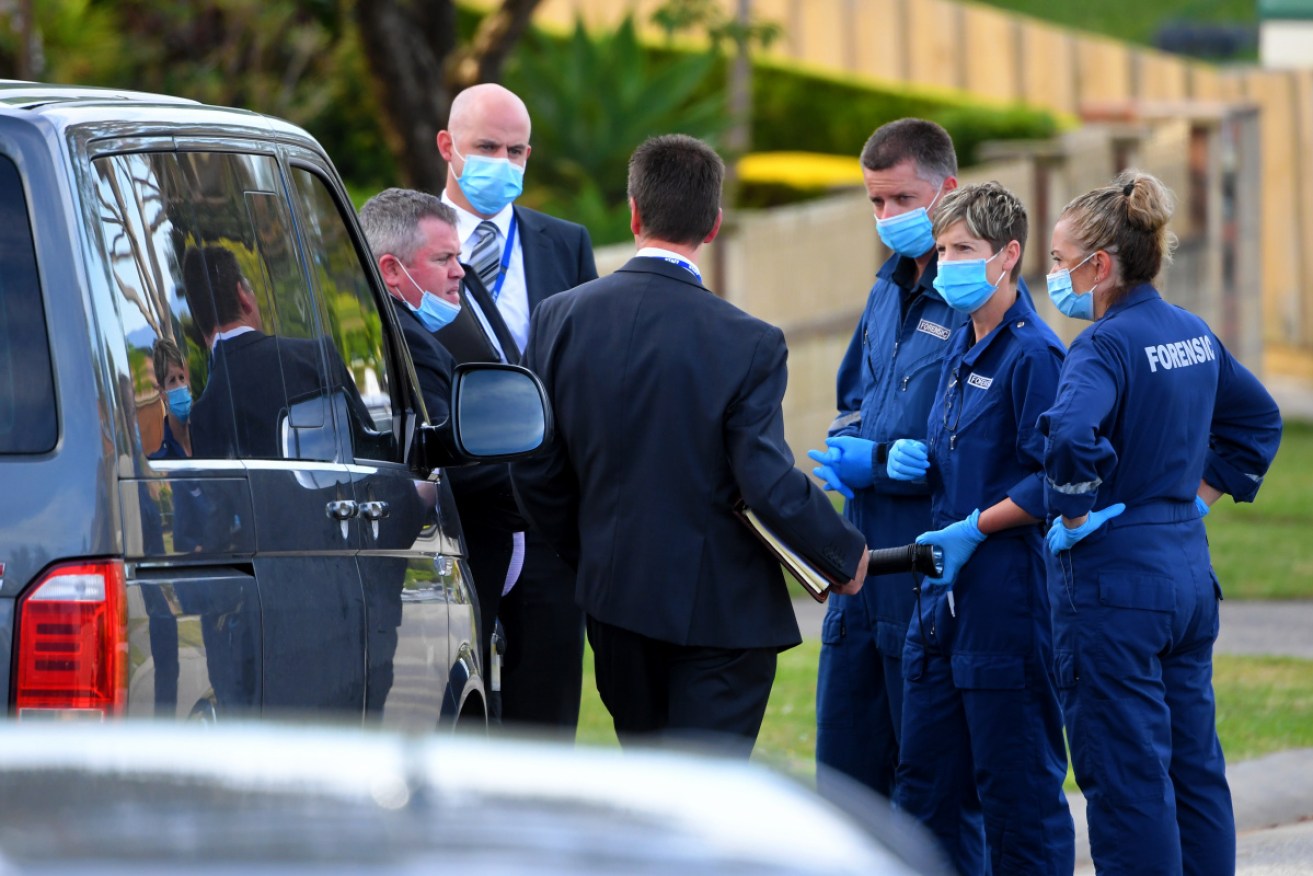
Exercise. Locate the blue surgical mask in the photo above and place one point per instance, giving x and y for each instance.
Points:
(1067, 300)
(964, 284)
(180, 401)
(909, 234)
(433, 312)
(489, 184)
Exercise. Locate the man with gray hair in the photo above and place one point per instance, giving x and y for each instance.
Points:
(414, 240)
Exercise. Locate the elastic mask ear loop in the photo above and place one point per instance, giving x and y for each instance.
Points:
(938, 193)
(422, 290)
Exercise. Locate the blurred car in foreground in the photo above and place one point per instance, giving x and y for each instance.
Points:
(272, 798)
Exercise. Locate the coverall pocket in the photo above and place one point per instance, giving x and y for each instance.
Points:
(1145, 592)
(988, 672)
(832, 628)
(913, 661)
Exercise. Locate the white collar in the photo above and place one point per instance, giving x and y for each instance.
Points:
(656, 252)
(466, 221)
(229, 335)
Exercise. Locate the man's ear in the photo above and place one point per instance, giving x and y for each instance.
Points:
(444, 145)
(715, 229)
(246, 298)
(388, 268)
(635, 221)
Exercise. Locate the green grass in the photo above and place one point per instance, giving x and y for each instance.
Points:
(1135, 21)
(1264, 704)
(1263, 550)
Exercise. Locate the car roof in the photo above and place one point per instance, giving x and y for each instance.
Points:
(29, 95)
(142, 112)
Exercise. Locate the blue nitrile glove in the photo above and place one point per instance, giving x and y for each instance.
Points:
(1061, 538)
(908, 460)
(958, 541)
(825, 471)
(1201, 505)
(855, 462)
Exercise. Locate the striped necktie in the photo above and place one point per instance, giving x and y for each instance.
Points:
(486, 258)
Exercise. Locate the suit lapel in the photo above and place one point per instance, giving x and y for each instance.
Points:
(535, 247)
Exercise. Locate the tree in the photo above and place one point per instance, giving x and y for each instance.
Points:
(741, 32)
(594, 98)
(417, 64)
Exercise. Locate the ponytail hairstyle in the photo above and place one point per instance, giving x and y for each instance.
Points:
(1129, 219)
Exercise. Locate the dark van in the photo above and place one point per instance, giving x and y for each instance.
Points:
(223, 496)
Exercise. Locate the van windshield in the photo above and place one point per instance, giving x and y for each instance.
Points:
(27, 396)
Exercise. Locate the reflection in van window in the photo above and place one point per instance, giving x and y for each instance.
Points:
(27, 395)
(203, 257)
(355, 324)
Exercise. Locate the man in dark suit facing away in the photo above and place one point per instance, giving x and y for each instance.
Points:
(246, 363)
(667, 405)
(525, 257)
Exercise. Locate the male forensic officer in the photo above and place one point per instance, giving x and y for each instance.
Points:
(667, 402)
(519, 257)
(886, 383)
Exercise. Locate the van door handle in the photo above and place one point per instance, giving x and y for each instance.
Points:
(342, 510)
(374, 512)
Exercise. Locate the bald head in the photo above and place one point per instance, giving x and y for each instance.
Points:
(487, 102)
(486, 120)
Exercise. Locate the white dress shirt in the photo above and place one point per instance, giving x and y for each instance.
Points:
(513, 300)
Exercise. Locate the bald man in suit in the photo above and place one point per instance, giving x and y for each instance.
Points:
(532, 257)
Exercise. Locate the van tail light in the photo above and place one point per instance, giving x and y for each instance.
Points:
(72, 654)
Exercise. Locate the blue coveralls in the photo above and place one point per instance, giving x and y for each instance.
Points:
(1149, 401)
(886, 383)
(980, 711)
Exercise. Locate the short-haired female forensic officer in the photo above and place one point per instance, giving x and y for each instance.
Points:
(980, 714)
(1153, 416)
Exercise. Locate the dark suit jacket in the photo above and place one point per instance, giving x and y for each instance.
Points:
(466, 338)
(246, 370)
(483, 492)
(667, 406)
(558, 255)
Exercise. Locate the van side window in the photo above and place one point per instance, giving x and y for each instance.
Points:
(355, 325)
(210, 285)
(27, 395)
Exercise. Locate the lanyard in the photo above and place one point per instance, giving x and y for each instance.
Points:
(505, 258)
(675, 260)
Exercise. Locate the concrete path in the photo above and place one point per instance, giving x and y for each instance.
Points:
(1279, 628)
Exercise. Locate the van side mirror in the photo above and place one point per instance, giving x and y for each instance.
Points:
(498, 413)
